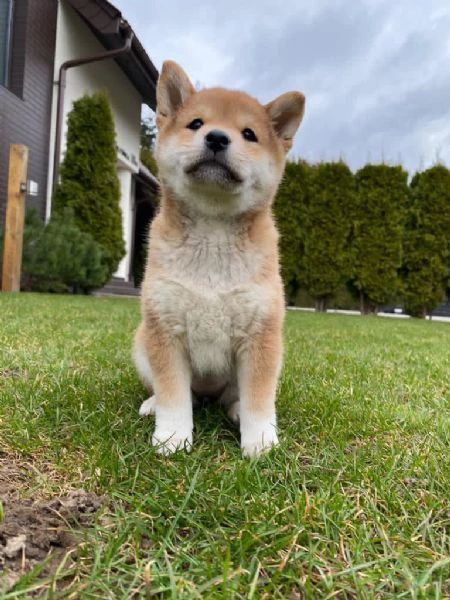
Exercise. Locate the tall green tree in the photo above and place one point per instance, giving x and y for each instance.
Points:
(148, 139)
(426, 263)
(289, 211)
(378, 220)
(148, 133)
(89, 184)
(325, 261)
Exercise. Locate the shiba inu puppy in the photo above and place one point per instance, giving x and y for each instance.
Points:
(212, 296)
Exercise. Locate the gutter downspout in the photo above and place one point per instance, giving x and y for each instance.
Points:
(62, 88)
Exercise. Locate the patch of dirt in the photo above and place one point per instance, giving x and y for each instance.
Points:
(7, 373)
(38, 531)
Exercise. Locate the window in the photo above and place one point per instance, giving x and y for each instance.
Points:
(6, 9)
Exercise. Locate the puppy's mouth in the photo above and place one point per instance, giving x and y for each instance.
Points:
(210, 170)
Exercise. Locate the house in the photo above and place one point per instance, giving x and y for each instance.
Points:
(52, 52)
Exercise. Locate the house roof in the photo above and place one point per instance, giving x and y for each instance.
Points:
(109, 27)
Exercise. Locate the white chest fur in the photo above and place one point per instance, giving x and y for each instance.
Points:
(207, 296)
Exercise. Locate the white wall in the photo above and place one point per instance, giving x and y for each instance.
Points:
(75, 40)
(127, 206)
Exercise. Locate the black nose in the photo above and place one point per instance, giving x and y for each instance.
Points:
(217, 140)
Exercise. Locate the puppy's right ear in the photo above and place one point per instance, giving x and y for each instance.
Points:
(173, 90)
(285, 114)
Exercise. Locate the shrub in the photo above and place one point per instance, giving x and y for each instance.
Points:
(289, 211)
(148, 132)
(59, 257)
(148, 160)
(89, 183)
(326, 231)
(378, 220)
(426, 264)
(148, 138)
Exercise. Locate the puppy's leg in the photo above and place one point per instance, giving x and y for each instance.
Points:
(171, 378)
(259, 364)
(229, 399)
(144, 370)
(148, 406)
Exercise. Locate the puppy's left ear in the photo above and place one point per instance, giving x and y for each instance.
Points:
(285, 114)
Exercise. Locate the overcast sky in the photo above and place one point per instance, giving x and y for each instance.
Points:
(376, 73)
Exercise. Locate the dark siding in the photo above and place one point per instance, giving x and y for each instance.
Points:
(18, 49)
(25, 115)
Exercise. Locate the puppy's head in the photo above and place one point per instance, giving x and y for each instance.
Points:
(221, 151)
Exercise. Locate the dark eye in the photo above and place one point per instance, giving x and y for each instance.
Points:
(195, 124)
(249, 135)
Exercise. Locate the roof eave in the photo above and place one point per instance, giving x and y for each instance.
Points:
(108, 25)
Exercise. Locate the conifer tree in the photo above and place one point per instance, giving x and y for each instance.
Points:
(325, 263)
(148, 139)
(89, 183)
(378, 221)
(426, 263)
(289, 211)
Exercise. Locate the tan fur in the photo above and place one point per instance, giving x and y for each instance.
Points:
(212, 297)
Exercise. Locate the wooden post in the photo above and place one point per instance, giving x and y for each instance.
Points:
(15, 216)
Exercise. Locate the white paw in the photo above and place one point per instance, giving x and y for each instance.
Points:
(167, 442)
(233, 412)
(258, 438)
(148, 407)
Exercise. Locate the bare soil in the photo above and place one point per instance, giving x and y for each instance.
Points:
(38, 532)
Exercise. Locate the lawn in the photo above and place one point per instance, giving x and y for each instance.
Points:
(353, 504)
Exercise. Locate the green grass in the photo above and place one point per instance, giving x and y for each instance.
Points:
(353, 504)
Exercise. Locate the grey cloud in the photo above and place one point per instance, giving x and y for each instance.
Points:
(374, 71)
(333, 40)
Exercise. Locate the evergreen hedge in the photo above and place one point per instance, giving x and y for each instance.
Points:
(426, 265)
(361, 232)
(378, 217)
(89, 184)
(289, 211)
(148, 139)
(326, 257)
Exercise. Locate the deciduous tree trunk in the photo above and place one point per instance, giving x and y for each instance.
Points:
(366, 306)
(321, 304)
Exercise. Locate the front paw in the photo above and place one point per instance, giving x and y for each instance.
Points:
(233, 412)
(148, 407)
(167, 442)
(257, 439)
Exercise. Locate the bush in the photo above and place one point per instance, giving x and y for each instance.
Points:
(148, 138)
(378, 220)
(148, 160)
(325, 261)
(89, 183)
(148, 132)
(426, 265)
(289, 211)
(59, 257)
